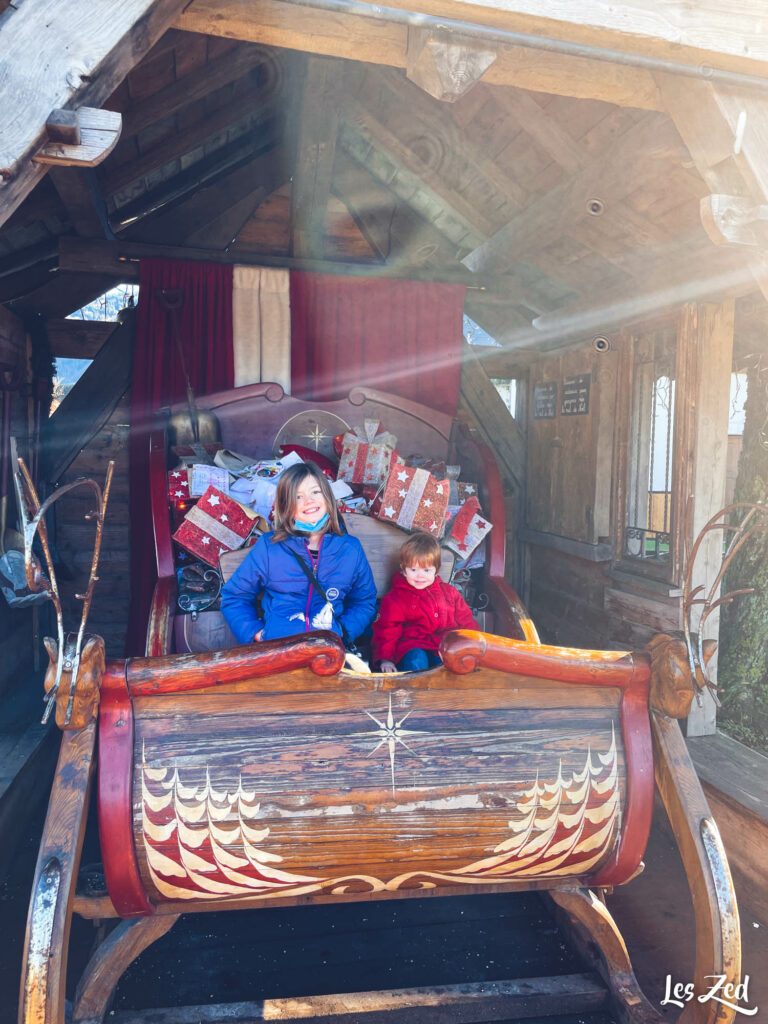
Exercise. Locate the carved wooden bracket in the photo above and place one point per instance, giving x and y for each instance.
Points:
(444, 66)
(79, 138)
(734, 220)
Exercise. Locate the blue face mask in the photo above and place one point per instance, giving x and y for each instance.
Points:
(298, 524)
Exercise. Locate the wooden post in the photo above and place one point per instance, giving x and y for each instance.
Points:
(712, 401)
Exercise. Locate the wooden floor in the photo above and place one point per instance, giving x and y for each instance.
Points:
(273, 954)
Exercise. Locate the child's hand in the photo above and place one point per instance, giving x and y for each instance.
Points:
(258, 636)
(388, 666)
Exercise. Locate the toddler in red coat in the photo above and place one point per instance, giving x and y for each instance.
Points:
(417, 611)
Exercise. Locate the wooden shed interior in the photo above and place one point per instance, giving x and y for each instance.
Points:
(599, 188)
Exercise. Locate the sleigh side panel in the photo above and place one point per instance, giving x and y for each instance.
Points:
(295, 787)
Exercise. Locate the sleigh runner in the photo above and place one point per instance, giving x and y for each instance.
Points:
(268, 774)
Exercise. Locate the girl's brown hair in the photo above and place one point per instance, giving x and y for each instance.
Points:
(420, 549)
(285, 500)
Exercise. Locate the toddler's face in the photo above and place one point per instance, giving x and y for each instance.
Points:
(420, 576)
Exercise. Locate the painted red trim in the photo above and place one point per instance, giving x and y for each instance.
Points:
(512, 614)
(638, 753)
(158, 495)
(496, 542)
(115, 789)
(465, 650)
(162, 613)
(321, 651)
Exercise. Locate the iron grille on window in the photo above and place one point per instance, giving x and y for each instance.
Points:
(649, 492)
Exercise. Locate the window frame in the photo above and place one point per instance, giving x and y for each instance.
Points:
(668, 573)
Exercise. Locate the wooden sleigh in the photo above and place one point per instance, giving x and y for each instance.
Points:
(268, 774)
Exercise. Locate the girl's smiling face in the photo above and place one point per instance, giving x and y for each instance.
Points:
(310, 501)
(420, 576)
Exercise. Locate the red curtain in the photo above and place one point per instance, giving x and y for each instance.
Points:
(398, 336)
(205, 326)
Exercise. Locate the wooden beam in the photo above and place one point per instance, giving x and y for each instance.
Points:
(273, 23)
(61, 294)
(729, 276)
(177, 144)
(207, 207)
(122, 260)
(370, 204)
(410, 168)
(438, 120)
(727, 136)
(64, 57)
(79, 138)
(493, 418)
(322, 99)
(711, 397)
(393, 229)
(711, 33)
(77, 339)
(472, 1001)
(207, 170)
(79, 192)
(89, 404)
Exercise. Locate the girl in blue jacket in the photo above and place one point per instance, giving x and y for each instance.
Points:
(307, 525)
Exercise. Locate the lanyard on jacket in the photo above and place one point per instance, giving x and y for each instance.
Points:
(315, 582)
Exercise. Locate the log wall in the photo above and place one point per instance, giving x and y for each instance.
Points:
(75, 535)
(16, 624)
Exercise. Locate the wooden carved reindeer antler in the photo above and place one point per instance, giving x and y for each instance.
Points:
(753, 519)
(33, 520)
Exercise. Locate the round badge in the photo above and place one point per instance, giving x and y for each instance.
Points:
(332, 593)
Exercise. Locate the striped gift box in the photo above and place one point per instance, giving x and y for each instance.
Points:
(217, 523)
(367, 454)
(414, 499)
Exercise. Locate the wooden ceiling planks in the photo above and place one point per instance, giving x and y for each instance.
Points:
(502, 177)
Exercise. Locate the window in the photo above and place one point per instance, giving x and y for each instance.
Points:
(68, 370)
(648, 522)
(476, 335)
(507, 388)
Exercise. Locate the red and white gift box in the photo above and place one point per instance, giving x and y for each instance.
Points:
(178, 486)
(414, 499)
(215, 524)
(366, 454)
(468, 529)
(465, 491)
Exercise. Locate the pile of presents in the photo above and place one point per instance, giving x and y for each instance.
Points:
(221, 507)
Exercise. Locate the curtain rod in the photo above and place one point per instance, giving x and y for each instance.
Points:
(472, 30)
(292, 263)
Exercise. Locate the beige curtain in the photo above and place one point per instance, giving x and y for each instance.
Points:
(262, 326)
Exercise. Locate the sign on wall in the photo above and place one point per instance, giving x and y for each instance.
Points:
(545, 400)
(574, 399)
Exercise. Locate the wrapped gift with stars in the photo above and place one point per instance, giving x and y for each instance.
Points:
(468, 529)
(465, 491)
(217, 523)
(414, 499)
(178, 486)
(367, 454)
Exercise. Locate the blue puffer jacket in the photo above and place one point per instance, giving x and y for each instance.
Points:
(288, 600)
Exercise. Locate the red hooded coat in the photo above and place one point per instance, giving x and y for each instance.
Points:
(410, 618)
